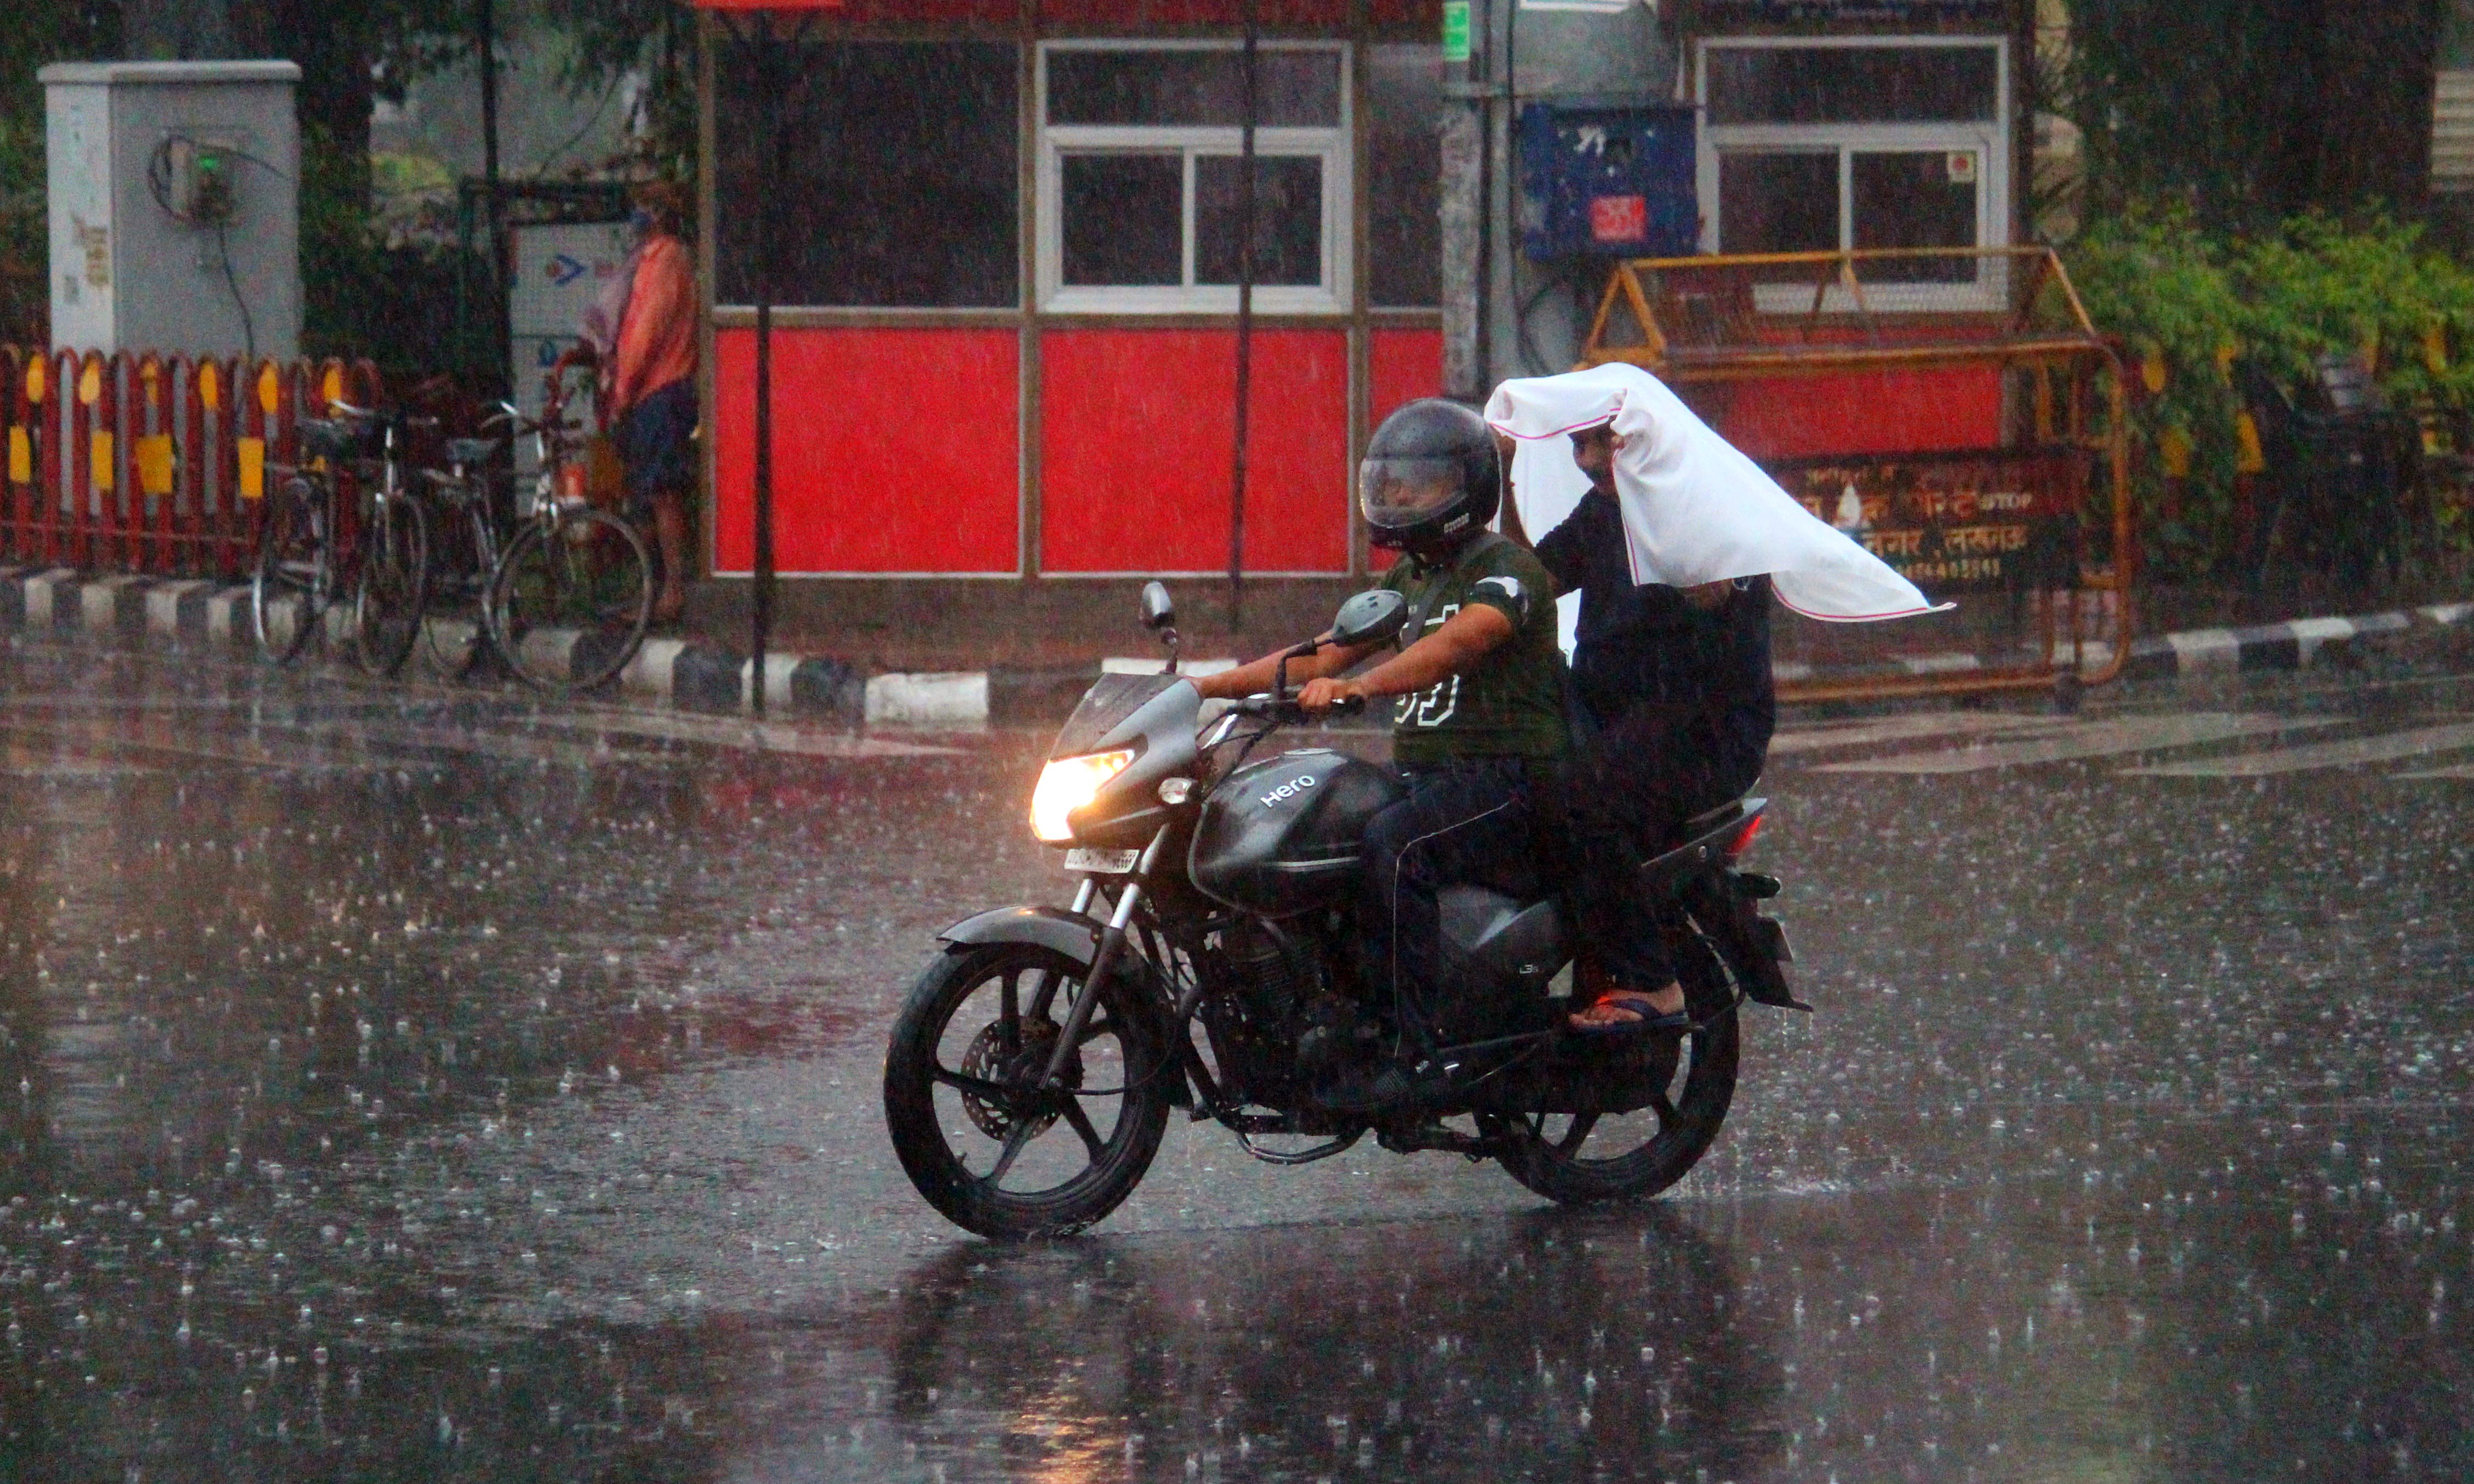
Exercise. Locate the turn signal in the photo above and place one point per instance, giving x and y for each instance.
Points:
(1745, 837)
(1066, 785)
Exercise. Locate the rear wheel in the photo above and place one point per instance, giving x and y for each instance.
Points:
(391, 588)
(1586, 1158)
(295, 579)
(975, 1132)
(571, 601)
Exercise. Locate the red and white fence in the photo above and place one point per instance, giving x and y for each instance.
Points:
(154, 464)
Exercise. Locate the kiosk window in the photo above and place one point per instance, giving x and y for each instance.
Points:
(1859, 142)
(900, 179)
(1142, 181)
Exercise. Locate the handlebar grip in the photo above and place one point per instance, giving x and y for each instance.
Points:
(1348, 706)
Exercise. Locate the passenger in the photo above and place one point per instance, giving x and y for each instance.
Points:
(1676, 683)
(1478, 693)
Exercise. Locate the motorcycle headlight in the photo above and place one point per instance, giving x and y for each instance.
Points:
(1068, 784)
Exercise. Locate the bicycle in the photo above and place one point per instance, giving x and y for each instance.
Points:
(306, 566)
(390, 586)
(571, 595)
(474, 516)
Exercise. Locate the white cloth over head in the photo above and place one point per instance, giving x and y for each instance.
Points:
(1695, 509)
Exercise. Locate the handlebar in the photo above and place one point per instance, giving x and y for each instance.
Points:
(1285, 708)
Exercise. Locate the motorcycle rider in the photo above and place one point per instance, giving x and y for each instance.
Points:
(1676, 682)
(1478, 716)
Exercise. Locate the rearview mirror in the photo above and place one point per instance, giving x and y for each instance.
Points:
(1369, 618)
(1158, 612)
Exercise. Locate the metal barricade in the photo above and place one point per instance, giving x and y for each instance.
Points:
(2004, 518)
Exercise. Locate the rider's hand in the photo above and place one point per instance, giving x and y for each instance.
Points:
(1321, 694)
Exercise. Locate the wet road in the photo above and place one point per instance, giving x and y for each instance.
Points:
(414, 1085)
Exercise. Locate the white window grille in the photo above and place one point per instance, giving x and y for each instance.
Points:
(1829, 143)
(1140, 177)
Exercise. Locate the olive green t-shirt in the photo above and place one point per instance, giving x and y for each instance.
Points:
(1511, 702)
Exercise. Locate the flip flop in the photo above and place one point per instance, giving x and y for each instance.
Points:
(1647, 1018)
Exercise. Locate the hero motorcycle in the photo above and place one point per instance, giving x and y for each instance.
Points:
(1207, 964)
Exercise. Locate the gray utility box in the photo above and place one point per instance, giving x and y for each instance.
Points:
(175, 207)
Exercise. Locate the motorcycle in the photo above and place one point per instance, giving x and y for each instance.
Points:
(1031, 1071)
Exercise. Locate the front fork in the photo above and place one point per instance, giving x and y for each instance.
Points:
(1112, 943)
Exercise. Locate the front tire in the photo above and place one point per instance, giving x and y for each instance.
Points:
(959, 1075)
(571, 601)
(1587, 1158)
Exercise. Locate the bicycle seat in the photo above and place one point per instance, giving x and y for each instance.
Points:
(466, 453)
(330, 439)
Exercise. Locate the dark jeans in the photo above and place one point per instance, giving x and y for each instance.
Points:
(1463, 821)
(656, 443)
(1624, 798)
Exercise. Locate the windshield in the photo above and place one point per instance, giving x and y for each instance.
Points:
(1103, 706)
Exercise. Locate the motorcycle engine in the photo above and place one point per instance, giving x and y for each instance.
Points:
(1258, 1015)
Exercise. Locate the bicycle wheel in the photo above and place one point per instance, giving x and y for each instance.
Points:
(296, 561)
(391, 587)
(570, 601)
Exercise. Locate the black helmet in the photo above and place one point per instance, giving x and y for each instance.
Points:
(1430, 479)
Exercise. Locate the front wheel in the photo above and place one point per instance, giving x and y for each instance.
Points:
(391, 588)
(1584, 1159)
(984, 1142)
(570, 601)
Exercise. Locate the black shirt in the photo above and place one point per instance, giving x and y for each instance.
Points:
(1646, 645)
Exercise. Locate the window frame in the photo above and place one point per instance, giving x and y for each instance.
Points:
(1332, 145)
(1989, 139)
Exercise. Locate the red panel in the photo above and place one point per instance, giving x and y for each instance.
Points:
(1402, 365)
(1134, 15)
(1005, 13)
(1137, 428)
(894, 450)
(1874, 412)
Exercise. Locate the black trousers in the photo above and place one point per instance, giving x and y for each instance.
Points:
(1624, 797)
(1471, 820)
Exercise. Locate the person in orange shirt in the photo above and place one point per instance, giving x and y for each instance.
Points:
(649, 385)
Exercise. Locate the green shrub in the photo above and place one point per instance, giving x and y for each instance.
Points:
(2198, 299)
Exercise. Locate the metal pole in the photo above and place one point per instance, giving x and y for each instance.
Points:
(486, 39)
(1245, 334)
(767, 129)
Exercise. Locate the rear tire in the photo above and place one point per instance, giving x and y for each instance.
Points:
(294, 575)
(391, 588)
(1578, 1162)
(952, 1028)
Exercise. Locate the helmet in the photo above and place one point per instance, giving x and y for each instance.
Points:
(1430, 479)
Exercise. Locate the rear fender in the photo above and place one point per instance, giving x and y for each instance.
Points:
(1732, 922)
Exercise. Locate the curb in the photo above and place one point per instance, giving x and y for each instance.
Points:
(191, 614)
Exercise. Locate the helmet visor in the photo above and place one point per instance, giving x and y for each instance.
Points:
(1398, 493)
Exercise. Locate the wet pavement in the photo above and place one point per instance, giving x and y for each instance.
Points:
(404, 1084)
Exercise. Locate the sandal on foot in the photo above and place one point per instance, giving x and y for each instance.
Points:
(1645, 1015)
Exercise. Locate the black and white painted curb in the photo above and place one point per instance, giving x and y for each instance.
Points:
(212, 616)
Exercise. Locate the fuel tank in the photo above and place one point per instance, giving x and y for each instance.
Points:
(1280, 837)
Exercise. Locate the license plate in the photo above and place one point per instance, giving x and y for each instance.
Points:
(1100, 862)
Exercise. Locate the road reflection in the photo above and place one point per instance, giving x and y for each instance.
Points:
(1614, 1346)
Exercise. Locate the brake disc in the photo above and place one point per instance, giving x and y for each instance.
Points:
(988, 1060)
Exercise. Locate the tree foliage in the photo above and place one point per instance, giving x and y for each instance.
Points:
(2249, 111)
(2193, 302)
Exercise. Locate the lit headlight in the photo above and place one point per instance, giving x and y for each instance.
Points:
(1068, 784)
